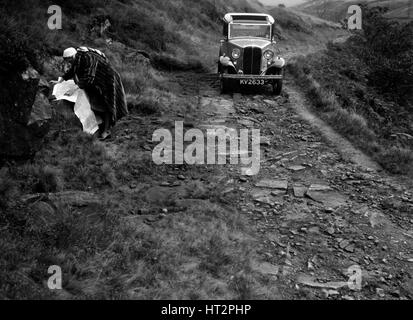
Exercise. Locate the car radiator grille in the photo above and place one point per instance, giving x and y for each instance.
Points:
(252, 60)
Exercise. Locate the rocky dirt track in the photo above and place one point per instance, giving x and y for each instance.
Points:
(318, 212)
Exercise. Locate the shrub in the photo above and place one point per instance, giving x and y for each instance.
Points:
(8, 188)
(351, 125)
(50, 179)
(15, 52)
(147, 106)
(131, 26)
(325, 100)
(388, 51)
(396, 160)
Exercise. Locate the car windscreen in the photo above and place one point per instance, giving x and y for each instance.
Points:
(250, 30)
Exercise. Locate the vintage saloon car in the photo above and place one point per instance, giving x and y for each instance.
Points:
(248, 55)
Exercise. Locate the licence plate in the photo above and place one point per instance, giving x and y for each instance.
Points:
(252, 82)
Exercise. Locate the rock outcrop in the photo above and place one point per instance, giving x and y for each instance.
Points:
(25, 112)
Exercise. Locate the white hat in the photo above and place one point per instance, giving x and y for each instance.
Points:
(69, 53)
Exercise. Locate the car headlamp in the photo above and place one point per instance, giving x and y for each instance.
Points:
(236, 53)
(279, 62)
(268, 55)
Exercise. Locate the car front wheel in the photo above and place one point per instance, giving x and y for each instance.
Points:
(277, 87)
(225, 85)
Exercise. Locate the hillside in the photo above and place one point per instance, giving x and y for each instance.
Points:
(297, 27)
(177, 35)
(336, 10)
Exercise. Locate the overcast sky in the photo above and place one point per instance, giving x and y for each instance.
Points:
(286, 2)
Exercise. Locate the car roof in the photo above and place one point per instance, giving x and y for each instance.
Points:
(248, 17)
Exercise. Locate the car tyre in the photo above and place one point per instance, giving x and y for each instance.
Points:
(225, 85)
(277, 87)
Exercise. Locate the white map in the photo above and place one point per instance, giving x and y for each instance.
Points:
(60, 90)
(82, 107)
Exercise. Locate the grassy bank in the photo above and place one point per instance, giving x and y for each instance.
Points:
(338, 83)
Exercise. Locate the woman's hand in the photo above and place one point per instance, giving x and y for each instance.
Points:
(70, 92)
(54, 82)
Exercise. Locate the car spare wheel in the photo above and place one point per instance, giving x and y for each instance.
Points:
(277, 87)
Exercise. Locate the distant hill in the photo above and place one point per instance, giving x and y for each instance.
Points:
(254, 4)
(178, 34)
(336, 10)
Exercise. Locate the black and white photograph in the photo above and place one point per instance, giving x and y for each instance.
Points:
(230, 151)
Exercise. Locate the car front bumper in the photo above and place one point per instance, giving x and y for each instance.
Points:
(251, 76)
